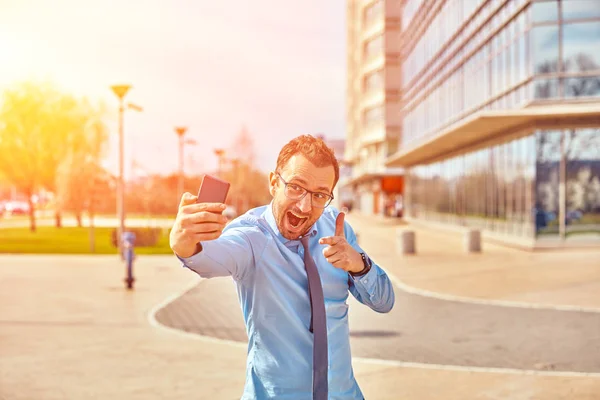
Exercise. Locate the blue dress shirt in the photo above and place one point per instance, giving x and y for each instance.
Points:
(272, 288)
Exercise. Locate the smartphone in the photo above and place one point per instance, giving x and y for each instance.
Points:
(212, 190)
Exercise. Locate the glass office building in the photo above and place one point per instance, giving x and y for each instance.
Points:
(501, 117)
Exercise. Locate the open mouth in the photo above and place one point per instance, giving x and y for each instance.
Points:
(294, 220)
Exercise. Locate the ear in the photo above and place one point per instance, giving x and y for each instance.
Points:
(273, 178)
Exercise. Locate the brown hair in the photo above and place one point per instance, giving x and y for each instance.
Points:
(314, 149)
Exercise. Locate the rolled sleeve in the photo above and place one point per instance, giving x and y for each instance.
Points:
(230, 255)
(368, 282)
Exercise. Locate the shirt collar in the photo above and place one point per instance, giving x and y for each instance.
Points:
(270, 218)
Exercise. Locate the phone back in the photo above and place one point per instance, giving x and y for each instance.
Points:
(212, 190)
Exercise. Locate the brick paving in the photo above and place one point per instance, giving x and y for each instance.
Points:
(424, 330)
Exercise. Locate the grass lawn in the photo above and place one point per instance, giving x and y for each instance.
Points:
(51, 240)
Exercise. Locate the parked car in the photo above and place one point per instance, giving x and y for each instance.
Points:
(16, 208)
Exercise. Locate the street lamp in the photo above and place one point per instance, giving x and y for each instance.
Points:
(120, 91)
(220, 153)
(180, 131)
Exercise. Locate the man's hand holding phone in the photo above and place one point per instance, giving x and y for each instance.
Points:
(195, 222)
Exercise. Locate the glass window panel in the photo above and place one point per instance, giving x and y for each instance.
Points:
(581, 46)
(574, 9)
(514, 63)
(520, 184)
(546, 11)
(374, 80)
(544, 49)
(531, 182)
(521, 22)
(582, 148)
(373, 12)
(374, 47)
(547, 178)
(522, 58)
(585, 86)
(545, 88)
(509, 172)
(500, 198)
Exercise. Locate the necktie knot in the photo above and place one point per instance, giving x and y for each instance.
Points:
(304, 241)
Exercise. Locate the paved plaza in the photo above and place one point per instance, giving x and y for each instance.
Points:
(497, 325)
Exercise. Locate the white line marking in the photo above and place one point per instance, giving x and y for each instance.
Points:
(511, 371)
(191, 335)
(486, 302)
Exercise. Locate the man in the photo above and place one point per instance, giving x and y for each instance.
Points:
(294, 262)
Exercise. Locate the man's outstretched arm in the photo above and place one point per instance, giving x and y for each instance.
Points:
(199, 240)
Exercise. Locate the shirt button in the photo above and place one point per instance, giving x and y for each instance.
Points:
(366, 280)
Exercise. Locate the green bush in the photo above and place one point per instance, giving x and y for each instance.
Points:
(144, 237)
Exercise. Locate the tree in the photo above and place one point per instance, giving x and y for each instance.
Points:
(249, 187)
(79, 175)
(39, 126)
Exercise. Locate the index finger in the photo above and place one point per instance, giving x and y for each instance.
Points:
(339, 225)
(330, 240)
(210, 207)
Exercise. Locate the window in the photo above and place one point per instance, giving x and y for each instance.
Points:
(575, 9)
(374, 80)
(581, 46)
(373, 12)
(373, 47)
(546, 11)
(373, 116)
(544, 49)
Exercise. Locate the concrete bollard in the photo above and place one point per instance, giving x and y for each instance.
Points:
(405, 241)
(473, 241)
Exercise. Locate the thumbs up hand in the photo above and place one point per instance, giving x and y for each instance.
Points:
(339, 252)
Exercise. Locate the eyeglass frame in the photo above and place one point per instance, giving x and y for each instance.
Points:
(306, 191)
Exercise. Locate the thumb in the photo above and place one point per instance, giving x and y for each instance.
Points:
(187, 198)
(339, 225)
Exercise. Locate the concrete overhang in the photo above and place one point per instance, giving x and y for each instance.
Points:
(486, 125)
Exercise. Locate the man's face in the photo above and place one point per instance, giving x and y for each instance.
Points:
(295, 217)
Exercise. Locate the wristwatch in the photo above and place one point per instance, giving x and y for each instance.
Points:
(367, 262)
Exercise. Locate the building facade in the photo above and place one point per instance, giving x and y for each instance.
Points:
(501, 117)
(342, 195)
(373, 103)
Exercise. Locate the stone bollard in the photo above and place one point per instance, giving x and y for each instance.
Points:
(405, 241)
(473, 241)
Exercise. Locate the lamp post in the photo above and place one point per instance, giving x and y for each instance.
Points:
(120, 91)
(220, 153)
(180, 131)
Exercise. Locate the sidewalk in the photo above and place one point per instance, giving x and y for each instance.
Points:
(69, 330)
(554, 278)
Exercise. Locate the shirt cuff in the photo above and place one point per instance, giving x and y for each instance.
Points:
(194, 260)
(367, 281)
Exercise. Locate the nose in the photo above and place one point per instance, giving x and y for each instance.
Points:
(305, 204)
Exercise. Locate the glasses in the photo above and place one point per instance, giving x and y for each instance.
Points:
(297, 192)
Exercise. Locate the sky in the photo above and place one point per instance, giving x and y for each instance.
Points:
(274, 66)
